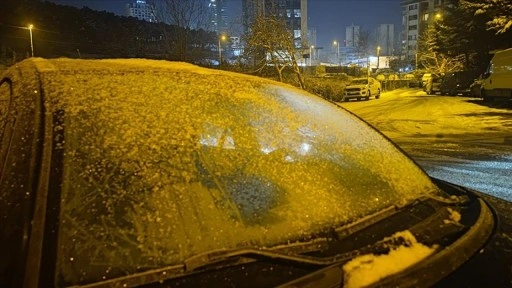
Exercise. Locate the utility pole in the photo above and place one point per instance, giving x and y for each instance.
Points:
(378, 56)
(30, 27)
(337, 51)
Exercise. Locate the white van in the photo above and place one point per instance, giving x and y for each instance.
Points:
(497, 80)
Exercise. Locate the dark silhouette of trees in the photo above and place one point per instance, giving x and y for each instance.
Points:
(64, 31)
(463, 34)
(499, 13)
(185, 18)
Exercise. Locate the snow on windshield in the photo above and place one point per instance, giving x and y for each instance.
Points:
(169, 160)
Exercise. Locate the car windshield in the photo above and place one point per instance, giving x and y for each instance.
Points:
(169, 160)
(361, 81)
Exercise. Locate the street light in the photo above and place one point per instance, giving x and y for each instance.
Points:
(30, 27)
(378, 56)
(337, 52)
(311, 55)
(223, 37)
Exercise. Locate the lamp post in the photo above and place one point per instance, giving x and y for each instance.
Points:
(30, 27)
(223, 37)
(311, 55)
(337, 52)
(378, 56)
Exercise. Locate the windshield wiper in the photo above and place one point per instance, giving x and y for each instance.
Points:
(214, 257)
(296, 253)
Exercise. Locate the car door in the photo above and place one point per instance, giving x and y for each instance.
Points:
(17, 179)
(372, 83)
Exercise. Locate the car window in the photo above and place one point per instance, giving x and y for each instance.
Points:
(167, 163)
(359, 81)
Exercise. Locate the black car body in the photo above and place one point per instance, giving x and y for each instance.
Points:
(125, 173)
(459, 82)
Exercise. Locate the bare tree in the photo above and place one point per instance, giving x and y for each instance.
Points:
(270, 42)
(432, 59)
(183, 16)
(441, 64)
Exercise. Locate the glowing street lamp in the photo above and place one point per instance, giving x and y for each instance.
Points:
(221, 38)
(337, 51)
(30, 27)
(378, 56)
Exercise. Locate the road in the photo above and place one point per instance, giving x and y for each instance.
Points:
(458, 139)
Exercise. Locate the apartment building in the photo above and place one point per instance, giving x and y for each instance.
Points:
(416, 16)
(294, 11)
(217, 16)
(141, 10)
(352, 36)
(386, 39)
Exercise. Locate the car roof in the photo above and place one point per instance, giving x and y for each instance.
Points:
(115, 66)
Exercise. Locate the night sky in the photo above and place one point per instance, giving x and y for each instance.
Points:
(328, 17)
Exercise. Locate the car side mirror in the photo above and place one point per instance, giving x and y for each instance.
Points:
(486, 75)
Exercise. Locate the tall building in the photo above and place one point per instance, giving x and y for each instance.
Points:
(218, 18)
(416, 16)
(352, 36)
(141, 10)
(386, 39)
(294, 11)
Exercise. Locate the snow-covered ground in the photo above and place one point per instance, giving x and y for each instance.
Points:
(411, 115)
(457, 139)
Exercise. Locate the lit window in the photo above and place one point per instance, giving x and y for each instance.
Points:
(296, 13)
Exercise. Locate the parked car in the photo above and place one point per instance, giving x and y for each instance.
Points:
(497, 80)
(433, 85)
(362, 88)
(124, 173)
(476, 87)
(458, 82)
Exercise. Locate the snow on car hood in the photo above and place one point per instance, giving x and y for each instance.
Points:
(173, 160)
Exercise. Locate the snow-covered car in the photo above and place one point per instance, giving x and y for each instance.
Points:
(362, 88)
(125, 173)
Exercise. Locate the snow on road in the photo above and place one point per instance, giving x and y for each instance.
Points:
(411, 115)
(458, 139)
